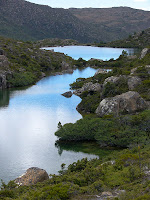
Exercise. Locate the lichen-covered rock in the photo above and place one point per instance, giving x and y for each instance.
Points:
(129, 102)
(32, 176)
(113, 79)
(102, 71)
(144, 52)
(67, 94)
(133, 82)
(90, 87)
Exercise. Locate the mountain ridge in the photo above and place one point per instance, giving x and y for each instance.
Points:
(24, 20)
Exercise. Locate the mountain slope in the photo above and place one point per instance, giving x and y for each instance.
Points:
(24, 20)
(113, 23)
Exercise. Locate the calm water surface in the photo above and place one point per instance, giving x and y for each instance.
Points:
(28, 120)
(88, 52)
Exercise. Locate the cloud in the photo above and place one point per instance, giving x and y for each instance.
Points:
(140, 0)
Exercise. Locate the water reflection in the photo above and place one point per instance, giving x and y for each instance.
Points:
(28, 120)
(85, 147)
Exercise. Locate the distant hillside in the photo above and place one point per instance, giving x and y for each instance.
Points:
(27, 21)
(113, 23)
(23, 20)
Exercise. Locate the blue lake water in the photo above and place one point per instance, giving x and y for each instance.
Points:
(29, 118)
(88, 52)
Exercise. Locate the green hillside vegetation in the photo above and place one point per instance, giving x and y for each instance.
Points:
(27, 62)
(28, 21)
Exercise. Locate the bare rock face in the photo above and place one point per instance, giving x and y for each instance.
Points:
(129, 102)
(133, 82)
(90, 87)
(32, 176)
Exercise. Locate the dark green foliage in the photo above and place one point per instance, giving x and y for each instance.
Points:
(111, 89)
(89, 102)
(120, 132)
(28, 62)
(24, 79)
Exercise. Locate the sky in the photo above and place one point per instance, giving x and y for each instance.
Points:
(139, 4)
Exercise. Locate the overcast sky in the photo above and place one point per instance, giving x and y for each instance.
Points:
(139, 4)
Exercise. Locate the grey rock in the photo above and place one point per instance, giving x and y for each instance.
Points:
(65, 66)
(133, 71)
(32, 176)
(129, 102)
(133, 82)
(67, 94)
(102, 71)
(113, 79)
(90, 87)
(144, 52)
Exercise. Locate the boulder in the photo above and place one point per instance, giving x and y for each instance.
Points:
(32, 176)
(133, 82)
(113, 79)
(102, 71)
(67, 94)
(129, 102)
(144, 52)
(90, 87)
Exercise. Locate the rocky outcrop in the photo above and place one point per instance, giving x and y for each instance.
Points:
(65, 65)
(113, 79)
(3, 62)
(144, 52)
(67, 94)
(90, 87)
(102, 71)
(133, 82)
(32, 176)
(129, 102)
